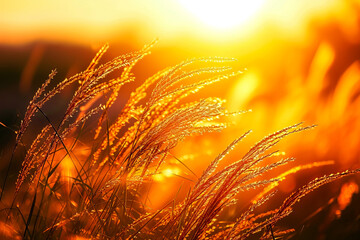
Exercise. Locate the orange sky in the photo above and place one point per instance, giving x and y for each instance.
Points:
(89, 21)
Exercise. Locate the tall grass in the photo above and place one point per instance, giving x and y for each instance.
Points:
(90, 185)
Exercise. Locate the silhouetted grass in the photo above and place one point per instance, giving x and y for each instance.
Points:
(75, 188)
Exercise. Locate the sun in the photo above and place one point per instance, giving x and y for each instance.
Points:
(223, 14)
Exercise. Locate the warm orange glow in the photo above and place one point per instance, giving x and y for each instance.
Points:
(290, 185)
(243, 90)
(300, 62)
(166, 173)
(347, 191)
(8, 232)
(74, 237)
(98, 22)
(68, 170)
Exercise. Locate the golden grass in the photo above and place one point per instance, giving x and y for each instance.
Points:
(67, 191)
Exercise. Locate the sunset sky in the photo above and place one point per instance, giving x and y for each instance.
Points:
(91, 21)
(299, 62)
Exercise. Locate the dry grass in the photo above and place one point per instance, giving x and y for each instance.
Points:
(59, 194)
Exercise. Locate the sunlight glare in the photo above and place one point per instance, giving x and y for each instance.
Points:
(223, 14)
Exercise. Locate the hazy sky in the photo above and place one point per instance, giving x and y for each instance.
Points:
(25, 20)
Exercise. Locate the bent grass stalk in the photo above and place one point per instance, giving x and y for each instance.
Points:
(100, 198)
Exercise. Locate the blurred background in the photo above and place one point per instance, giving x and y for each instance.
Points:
(300, 62)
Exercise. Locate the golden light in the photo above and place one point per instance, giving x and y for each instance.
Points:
(166, 173)
(346, 193)
(301, 62)
(223, 14)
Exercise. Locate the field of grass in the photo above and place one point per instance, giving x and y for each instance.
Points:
(87, 175)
